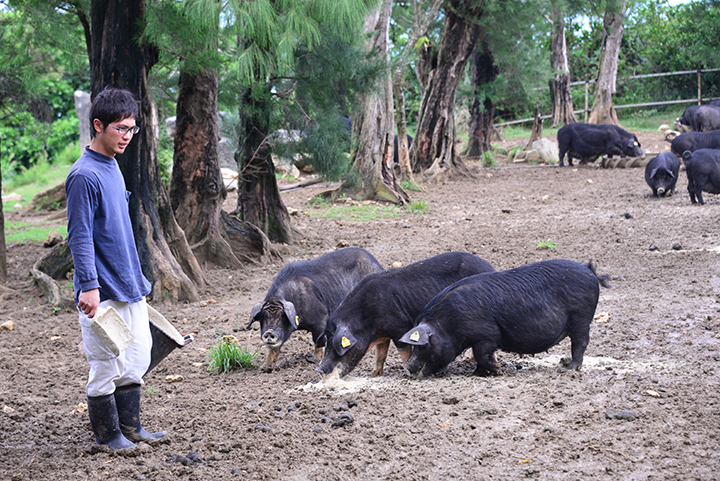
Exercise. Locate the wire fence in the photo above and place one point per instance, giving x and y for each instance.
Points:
(586, 83)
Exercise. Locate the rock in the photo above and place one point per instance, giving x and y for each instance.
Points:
(343, 420)
(628, 215)
(618, 414)
(53, 239)
(653, 247)
(342, 243)
(677, 246)
(7, 326)
(532, 156)
(397, 264)
(13, 197)
(547, 150)
(450, 400)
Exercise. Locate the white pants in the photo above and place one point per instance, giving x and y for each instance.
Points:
(108, 371)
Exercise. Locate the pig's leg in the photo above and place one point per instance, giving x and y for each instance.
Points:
(272, 354)
(691, 190)
(381, 352)
(579, 340)
(484, 353)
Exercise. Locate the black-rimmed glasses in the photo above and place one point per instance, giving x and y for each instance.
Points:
(126, 130)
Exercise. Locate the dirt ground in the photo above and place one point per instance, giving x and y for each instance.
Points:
(653, 352)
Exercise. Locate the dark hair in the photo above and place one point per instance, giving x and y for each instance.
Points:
(112, 105)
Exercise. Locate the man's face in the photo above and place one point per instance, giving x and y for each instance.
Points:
(114, 138)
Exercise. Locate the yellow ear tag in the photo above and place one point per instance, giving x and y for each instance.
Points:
(635, 143)
(297, 321)
(415, 336)
(345, 342)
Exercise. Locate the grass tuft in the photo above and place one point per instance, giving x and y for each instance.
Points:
(418, 207)
(545, 244)
(228, 355)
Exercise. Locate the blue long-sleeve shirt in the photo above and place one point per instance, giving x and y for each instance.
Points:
(100, 233)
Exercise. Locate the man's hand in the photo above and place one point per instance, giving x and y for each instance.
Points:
(88, 302)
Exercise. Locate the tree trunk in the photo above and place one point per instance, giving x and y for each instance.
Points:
(259, 200)
(434, 145)
(401, 123)
(536, 132)
(560, 95)
(3, 247)
(374, 125)
(197, 191)
(482, 110)
(118, 60)
(603, 111)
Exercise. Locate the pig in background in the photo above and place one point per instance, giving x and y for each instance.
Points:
(693, 141)
(525, 310)
(661, 174)
(699, 118)
(305, 293)
(703, 172)
(587, 142)
(384, 306)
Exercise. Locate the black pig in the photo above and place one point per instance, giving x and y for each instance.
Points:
(703, 172)
(707, 118)
(686, 122)
(384, 306)
(305, 293)
(525, 310)
(693, 141)
(587, 142)
(661, 174)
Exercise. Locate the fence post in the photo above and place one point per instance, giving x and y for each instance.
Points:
(587, 83)
(699, 87)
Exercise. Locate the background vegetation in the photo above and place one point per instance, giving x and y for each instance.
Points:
(43, 60)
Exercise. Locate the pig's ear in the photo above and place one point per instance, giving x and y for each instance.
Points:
(255, 311)
(289, 309)
(686, 155)
(321, 340)
(418, 336)
(671, 173)
(653, 172)
(342, 341)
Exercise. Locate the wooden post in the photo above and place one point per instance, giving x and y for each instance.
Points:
(587, 84)
(699, 88)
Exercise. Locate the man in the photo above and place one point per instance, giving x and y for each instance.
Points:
(108, 272)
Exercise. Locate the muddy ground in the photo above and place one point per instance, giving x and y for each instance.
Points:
(653, 351)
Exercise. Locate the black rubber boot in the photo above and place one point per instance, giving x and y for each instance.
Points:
(128, 406)
(104, 420)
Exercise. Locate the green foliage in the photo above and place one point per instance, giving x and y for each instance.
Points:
(30, 182)
(410, 185)
(22, 232)
(545, 244)
(352, 211)
(42, 62)
(418, 207)
(228, 355)
(488, 159)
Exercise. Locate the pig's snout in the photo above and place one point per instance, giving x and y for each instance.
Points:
(661, 191)
(270, 338)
